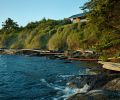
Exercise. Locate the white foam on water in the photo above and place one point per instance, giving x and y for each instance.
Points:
(84, 89)
(43, 80)
(54, 86)
(69, 91)
(66, 91)
(66, 76)
(72, 91)
(55, 99)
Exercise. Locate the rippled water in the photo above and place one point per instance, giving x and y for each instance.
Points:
(36, 78)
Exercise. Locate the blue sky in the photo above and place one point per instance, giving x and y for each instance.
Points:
(24, 11)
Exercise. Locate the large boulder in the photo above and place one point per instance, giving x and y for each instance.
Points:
(113, 85)
(88, 97)
(102, 87)
(95, 95)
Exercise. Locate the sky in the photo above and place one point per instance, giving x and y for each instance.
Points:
(25, 11)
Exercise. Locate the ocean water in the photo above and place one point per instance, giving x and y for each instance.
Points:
(37, 78)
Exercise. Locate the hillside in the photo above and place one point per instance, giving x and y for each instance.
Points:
(100, 33)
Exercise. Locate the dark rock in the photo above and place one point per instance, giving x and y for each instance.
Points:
(88, 97)
(96, 95)
(113, 85)
(108, 87)
(73, 54)
(79, 97)
(81, 54)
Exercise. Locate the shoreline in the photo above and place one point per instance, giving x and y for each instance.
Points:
(99, 87)
(82, 56)
(110, 79)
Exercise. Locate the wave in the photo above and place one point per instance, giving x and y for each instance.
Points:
(66, 76)
(51, 85)
(65, 92)
(62, 91)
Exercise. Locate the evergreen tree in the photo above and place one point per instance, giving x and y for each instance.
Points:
(102, 18)
(9, 25)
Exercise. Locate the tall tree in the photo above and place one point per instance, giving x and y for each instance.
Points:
(103, 19)
(103, 13)
(10, 25)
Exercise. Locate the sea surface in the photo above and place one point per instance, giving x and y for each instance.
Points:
(37, 78)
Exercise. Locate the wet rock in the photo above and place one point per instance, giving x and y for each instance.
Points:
(79, 97)
(88, 97)
(87, 54)
(102, 87)
(73, 54)
(113, 85)
(96, 95)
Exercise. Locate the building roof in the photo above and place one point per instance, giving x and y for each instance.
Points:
(78, 15)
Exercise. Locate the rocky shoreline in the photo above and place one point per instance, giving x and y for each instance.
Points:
(103, 86)
(97, 87)
(72, 55)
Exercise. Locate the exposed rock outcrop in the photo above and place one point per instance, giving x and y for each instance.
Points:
(113, 85)
(96, 95)
(102, 87)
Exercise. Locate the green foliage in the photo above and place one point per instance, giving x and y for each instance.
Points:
(67, 37)
(101, 32)
(58, 40)
(103, 58)
(73, 41)
(103, 27)
(9, 26)
(32, 25)
(34, 35)
(17, 45)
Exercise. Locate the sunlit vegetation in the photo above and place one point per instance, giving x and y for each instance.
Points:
(100, 33)
(34, 35)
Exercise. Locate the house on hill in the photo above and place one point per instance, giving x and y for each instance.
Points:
(78, 18)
